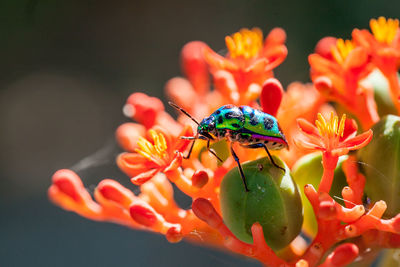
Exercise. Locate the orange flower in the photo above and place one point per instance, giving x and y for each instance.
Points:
(332, 136)
(338, 77)
(383, 46)
(160, 152)
(334, 139)
(249, 62)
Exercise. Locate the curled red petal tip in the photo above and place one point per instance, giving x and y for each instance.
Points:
(276, 36)
(174, 234)
(271, 96)
(342, 255)
(200, 178)
(324, 47)
(144, 215)
(205, 211)
(114, 191)
(69, 183)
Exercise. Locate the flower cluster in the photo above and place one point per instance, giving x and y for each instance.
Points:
(156, 146)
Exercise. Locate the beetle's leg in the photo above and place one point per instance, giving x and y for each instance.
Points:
(269, 154)
(240, 168)
(212, 151)
(191, 147)
(193, 137)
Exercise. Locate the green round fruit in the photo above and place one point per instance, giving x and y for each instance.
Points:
(381, 164)
(308, 170)
(382, 96)
(273, 201)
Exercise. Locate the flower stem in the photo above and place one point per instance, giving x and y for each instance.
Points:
(329, 163)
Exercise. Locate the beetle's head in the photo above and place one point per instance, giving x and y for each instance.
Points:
(206, 126)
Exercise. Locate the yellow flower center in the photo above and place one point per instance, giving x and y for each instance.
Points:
(384, 30)
(342, 50)
(156, 151)
(331, 128)
(246, 43)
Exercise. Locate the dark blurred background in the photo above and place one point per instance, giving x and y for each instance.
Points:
(66, 68)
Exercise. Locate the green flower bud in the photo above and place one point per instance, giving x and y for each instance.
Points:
(381, 164)
(308, 170)
(273, 200)
(381, 93)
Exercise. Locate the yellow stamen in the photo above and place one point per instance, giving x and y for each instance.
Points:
(384, 30)
(341, 125)
(342, 50)
(331, 128)
(152, 151)
(246, 43)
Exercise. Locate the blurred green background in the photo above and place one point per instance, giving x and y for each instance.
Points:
(66, 68)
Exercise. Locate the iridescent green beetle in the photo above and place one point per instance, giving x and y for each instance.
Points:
(250, 127)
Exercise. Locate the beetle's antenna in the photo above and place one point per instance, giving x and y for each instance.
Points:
(183, 111)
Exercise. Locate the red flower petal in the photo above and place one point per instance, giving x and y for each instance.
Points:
(322, 65)
(128, 134)
(358, 141)
(324, 86)
(271, 96)
(133, 164)
(175, 163)
(356, 58)
(275, 55)
(308, 128)
(350, 129)
(258, 66)
(276, 36)
(302, 143)
(181, 144)
(362, 38)
(217, 61)
(144, 177)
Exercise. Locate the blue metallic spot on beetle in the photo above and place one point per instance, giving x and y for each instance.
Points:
(268, 123)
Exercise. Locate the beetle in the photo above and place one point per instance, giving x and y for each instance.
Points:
(250, 127)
